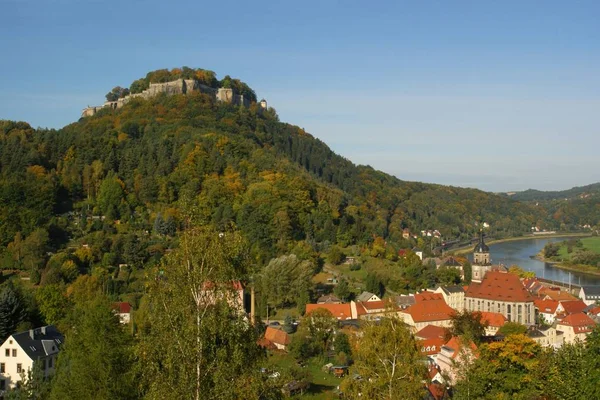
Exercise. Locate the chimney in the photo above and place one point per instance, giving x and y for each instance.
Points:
(43, 330)
(31, 334)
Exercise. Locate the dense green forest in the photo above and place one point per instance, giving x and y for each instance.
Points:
(569, 209)
(232, 165)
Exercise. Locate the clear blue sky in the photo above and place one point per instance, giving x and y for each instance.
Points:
(498, 95)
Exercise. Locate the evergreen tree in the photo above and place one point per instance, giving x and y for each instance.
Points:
(12, 311)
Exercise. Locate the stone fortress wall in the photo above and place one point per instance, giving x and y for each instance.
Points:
(180, 86)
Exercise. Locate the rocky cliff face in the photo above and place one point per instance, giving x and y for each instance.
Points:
(180, 86)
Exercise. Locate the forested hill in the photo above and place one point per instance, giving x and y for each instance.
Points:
(575, 192)
(154, 165)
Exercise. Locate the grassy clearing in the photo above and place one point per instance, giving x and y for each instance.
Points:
(589, 243)
(322, 384)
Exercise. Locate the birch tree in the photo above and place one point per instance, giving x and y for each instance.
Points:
(199, 345)
(388, 362)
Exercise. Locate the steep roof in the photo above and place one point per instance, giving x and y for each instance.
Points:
(340, 311)
(556, 294)
(329, 298)
(122, 307)
(431, 332)
(39, 342)
(432, 310)
(573, 306)
(453, 289)
(499, 286)
(365, 296)
(455, 345)
(431, 346)
(277, 336)
(481, 247)
(546, 306)
(591, 290)
(428, 296)
(580, 322)
(493, 319)
(451, 262)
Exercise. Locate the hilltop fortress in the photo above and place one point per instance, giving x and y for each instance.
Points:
(179, 86)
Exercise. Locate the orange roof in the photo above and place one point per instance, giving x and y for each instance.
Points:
(122, 307)
(493, 318)
(594, 311)
(437, 391)
(580, 322)
(573, 306)
(431, 332)
(556, 294)
(266, 343)
(426, 296)
(431, 346)
(277, 336)
(546, 306)
(431, 310)
(455, 344)
(499, 286)
(339, 311)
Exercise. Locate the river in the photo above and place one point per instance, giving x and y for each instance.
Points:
(519, 252)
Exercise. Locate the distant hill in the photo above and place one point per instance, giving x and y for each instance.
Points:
(538, 195)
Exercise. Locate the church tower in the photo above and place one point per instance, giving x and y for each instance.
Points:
(481, 260)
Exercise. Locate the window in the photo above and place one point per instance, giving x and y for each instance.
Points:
(7, 353)
(10, 341)
(50, 362)
(14, 352)
(19, 368)
(2, 384)
(43, 365)
(2, 368)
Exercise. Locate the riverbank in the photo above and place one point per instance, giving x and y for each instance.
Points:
(581, 268)
(469, 249)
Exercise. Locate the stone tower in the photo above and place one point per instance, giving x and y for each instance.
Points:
(481, 260)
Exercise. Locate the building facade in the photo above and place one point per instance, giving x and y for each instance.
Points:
(503, 293)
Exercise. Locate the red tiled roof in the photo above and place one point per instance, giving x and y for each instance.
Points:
(122, 307)
(493, 319)
(277, 336)
(546, 306)
(455, 344)
(431, 310)
(339, 311)
(438, 392)
(556, 294)
(266, 343)
(594, 311)
(499, 286)
(573, 306)
(426, 296)
(430, 347)
(431, 332)
(580, 322)
(375, 305)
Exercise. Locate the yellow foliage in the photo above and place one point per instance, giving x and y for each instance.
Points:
(122, 137)
(36, 170)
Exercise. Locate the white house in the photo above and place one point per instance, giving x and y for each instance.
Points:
(123, 310)
(590, 294)
(367, 296)
(21, 350)
(575, 327)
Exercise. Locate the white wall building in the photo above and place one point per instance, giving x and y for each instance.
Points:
(21, 350)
